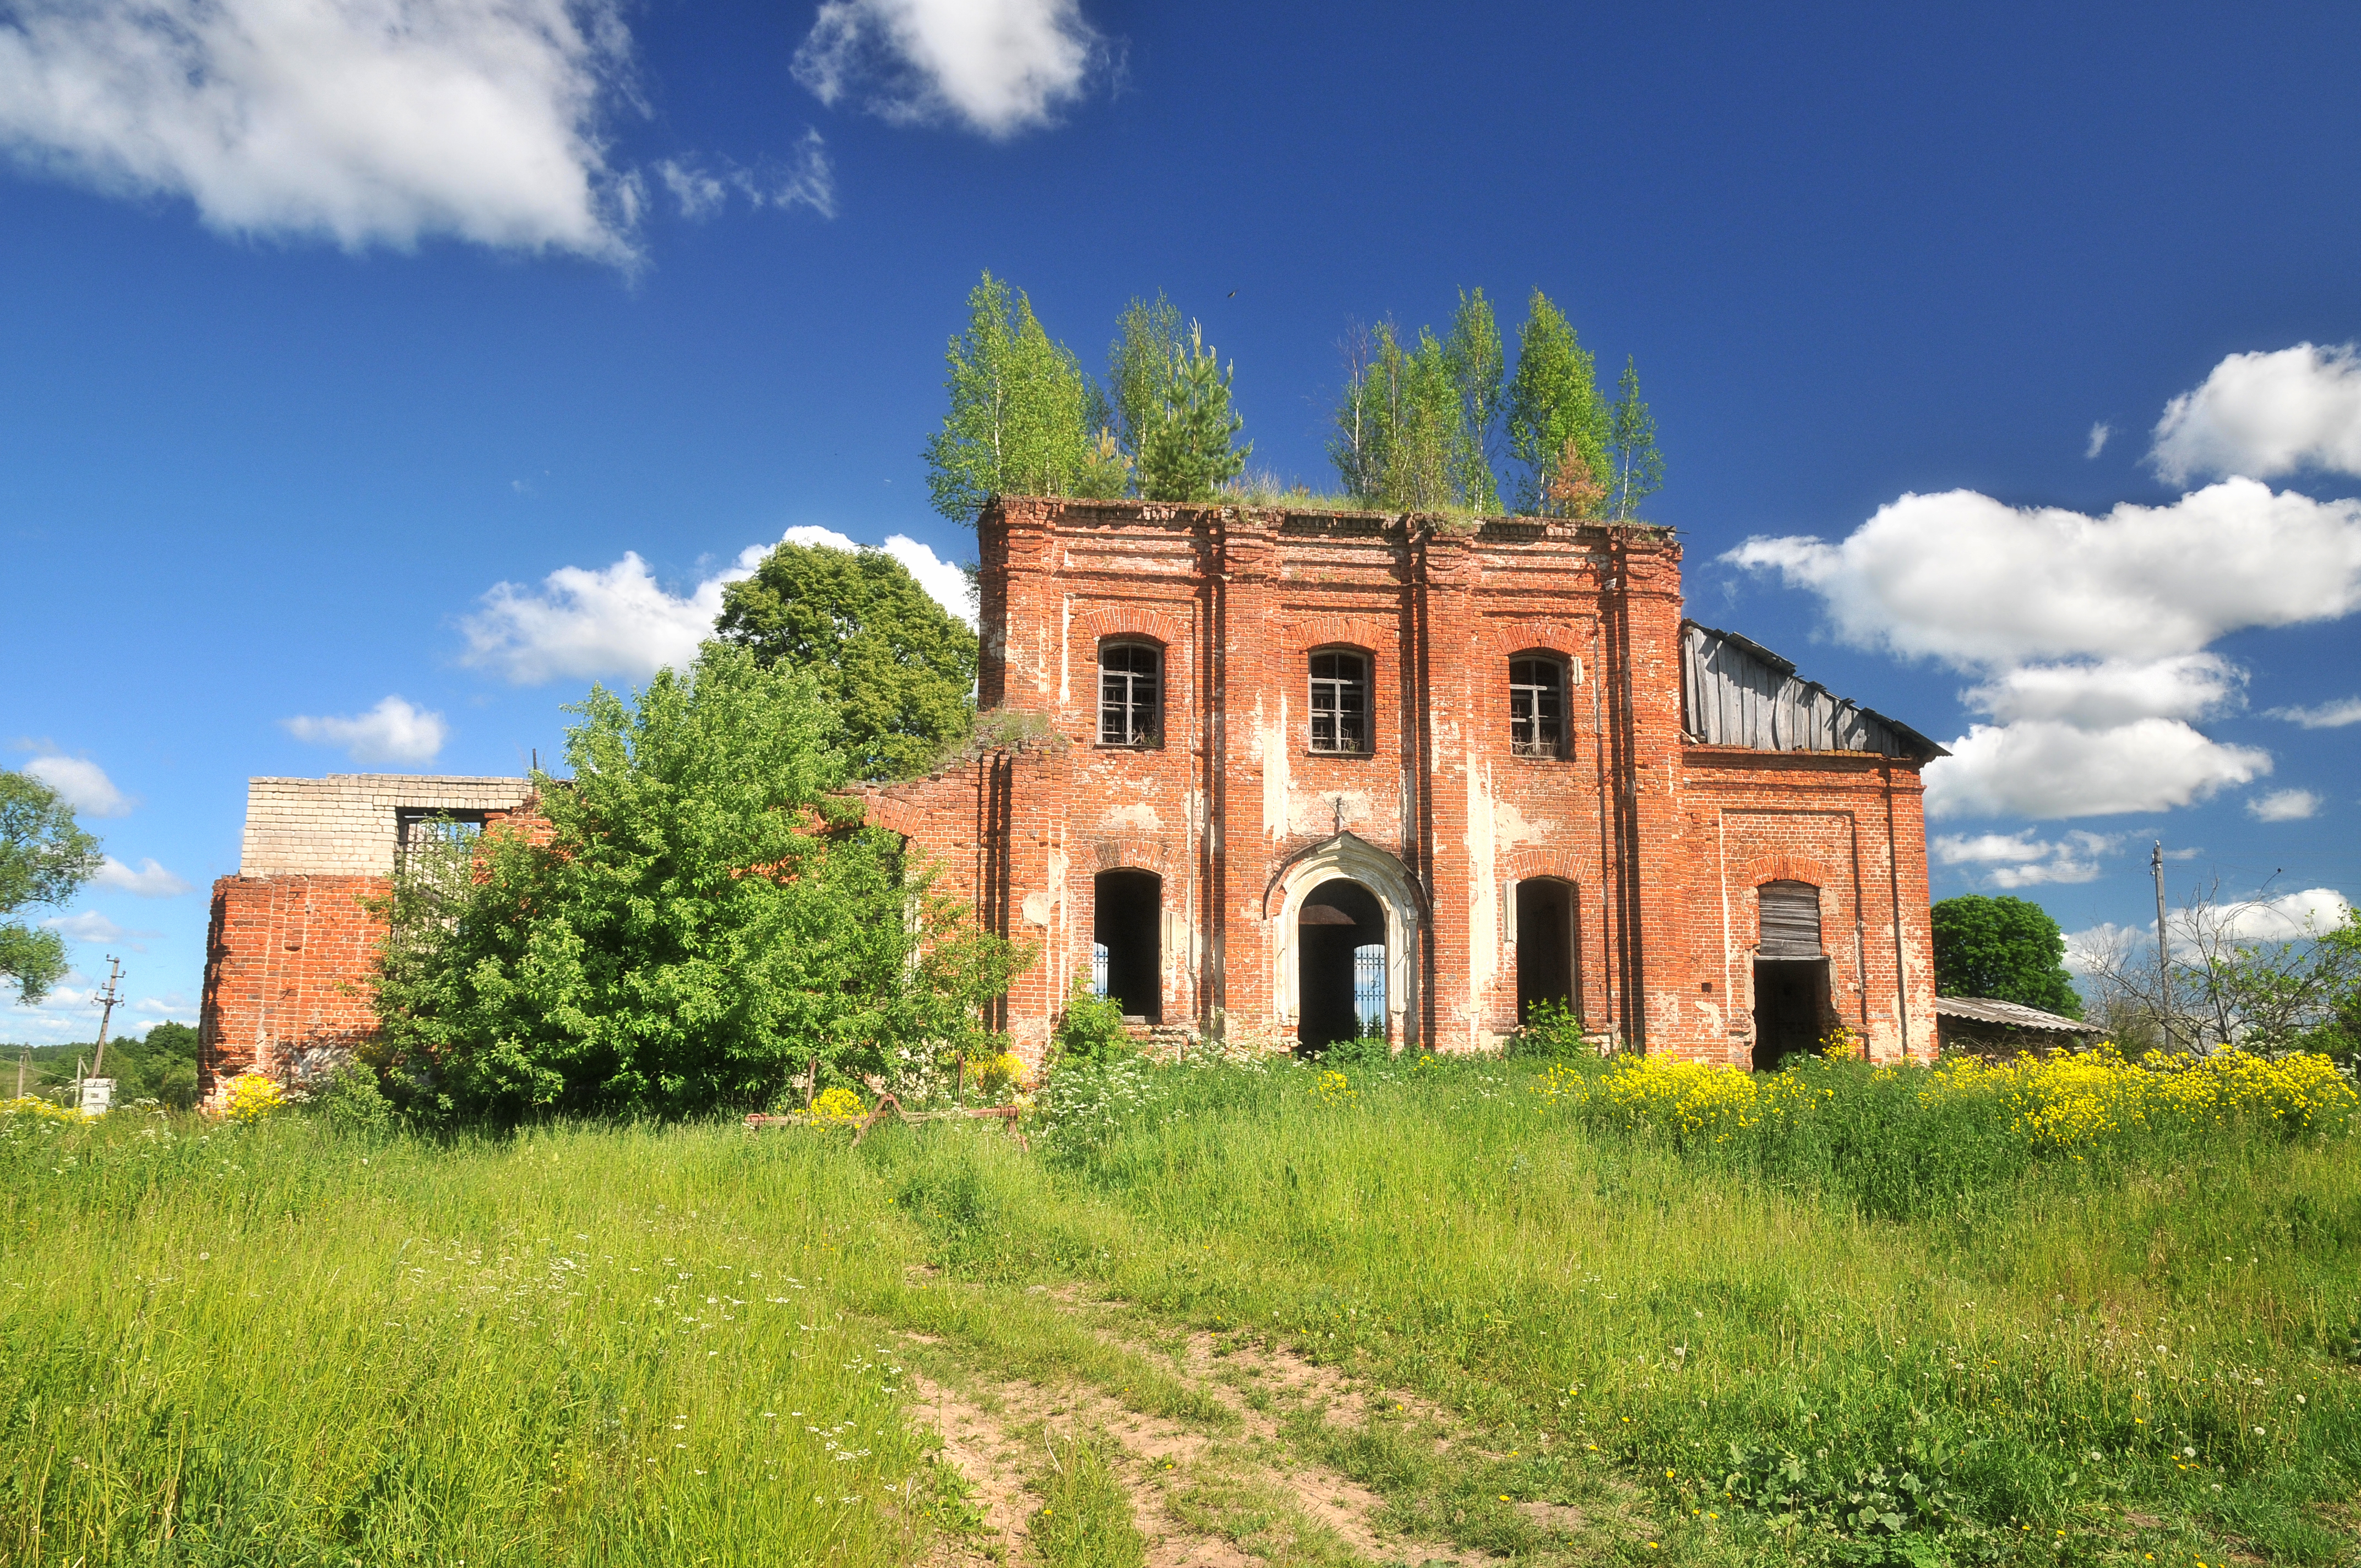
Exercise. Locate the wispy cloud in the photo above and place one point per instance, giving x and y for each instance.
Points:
(2326, 716)
(994, 66)
(83, 784)
(90, 926)
(803, 180)
(364, 122)
(392, 731)
(2099, 433)
(151, 881)
(2021, 859)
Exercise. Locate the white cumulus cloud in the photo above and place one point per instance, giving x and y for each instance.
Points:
(2045, 768)
(1978, 583)
(366, 122)
(151, 881)
(2091, 633)
(996, 66)
(2325, 715)
(618, 621)
(83, 784)
(2266, 413)
(392, 731)
(2284, 806)
(2022, 860)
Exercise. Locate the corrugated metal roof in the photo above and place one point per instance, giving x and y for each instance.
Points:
(1735, 692)
(1991, 1010)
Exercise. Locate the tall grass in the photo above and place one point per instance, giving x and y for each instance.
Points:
(264, 1344)
(270, 1344)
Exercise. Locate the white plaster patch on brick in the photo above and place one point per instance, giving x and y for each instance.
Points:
(1037, 910)
(1483, 899)
(1141, 817)
(1510, 827)
(1275, 778)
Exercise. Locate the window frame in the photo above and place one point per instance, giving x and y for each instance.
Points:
(1558, 746)
(1336, 711)
(1132, 738)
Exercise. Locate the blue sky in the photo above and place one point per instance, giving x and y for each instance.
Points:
(320, 330)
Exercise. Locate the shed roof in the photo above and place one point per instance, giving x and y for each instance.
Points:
(2015, 1015)
(1736, 692)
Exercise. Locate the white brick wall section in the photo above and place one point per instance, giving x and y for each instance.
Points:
(343, 825)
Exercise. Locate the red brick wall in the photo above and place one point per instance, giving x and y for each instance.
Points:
(287, 960)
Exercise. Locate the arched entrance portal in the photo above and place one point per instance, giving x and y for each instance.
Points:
(1127, 946)
(1340, 944)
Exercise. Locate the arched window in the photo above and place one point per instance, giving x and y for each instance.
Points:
(1131, 694)
(1340, 701)
(1537, 706)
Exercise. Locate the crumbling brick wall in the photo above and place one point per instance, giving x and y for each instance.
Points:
(291, 940)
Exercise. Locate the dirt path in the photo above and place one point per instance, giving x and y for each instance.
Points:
(1204, 1494)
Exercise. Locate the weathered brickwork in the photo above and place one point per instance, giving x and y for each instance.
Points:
(1660, 843)
(291, 940)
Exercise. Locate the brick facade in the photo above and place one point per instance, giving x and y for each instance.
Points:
(291, 942)
(1653, 844)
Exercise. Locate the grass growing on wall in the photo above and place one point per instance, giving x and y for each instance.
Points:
(267, 1344)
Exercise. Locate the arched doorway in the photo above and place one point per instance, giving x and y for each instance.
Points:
(1546, 945)
(1126, 941)
(1340, 945)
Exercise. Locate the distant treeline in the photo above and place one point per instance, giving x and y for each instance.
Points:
(161, 1067)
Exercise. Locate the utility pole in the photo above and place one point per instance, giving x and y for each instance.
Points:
(2163, 949)
(108, 998)
(23, 1061)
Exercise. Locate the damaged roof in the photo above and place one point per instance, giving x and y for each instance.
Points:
(1736, 692)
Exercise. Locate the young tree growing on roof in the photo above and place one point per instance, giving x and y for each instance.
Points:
(1473, 352)
(1554, 412)
(1398, 443)
(1020, 416)
(44, 857)
(897, 669)
(1186, 440)
(1638, 470)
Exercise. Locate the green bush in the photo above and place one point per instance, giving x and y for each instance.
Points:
(1550, 1033)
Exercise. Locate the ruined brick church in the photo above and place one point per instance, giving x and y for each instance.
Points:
(1320, 774)
(1304, 776)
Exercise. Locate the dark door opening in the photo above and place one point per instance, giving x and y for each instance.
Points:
(1545, 948)
(1791, 1004)
(1127, 938)
(1339, 919)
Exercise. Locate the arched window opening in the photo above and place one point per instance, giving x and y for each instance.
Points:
(1340, 702)
(1547, 942)
(1131, 694)
(1126, 941)
(1792, 1008)
(1341, 954)
(1536, 707)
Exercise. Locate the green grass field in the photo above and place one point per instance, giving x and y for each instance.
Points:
(1563, 1341)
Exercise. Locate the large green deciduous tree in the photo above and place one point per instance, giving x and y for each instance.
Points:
(2006, 948)
(1187, 450)
(1021, 415)
(1554, 412)
(898, 669)
(44, 857)
(699, 921)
